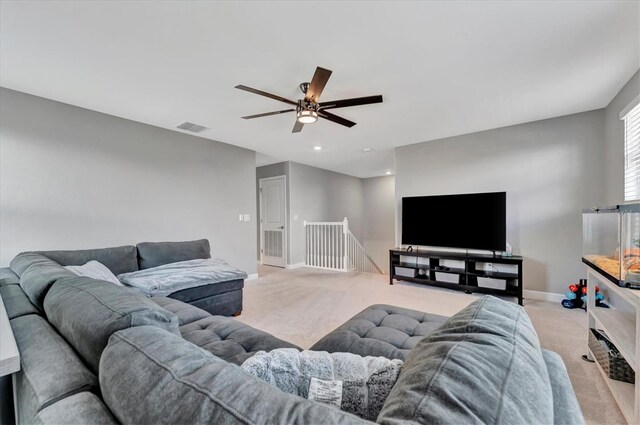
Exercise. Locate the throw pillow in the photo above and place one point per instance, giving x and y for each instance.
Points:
(358, 385)
(95, 270)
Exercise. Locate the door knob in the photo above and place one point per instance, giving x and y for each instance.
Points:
(281, 227)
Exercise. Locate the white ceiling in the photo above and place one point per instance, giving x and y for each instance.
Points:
(444, 68)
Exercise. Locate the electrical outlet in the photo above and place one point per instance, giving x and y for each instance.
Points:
(247, 217)
(488, 267)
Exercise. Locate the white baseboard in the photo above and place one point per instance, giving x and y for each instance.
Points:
(543, 296)
(294, 266)
(252, 276)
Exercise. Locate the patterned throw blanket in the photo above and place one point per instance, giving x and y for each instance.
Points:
(358, 385)
(169, 278)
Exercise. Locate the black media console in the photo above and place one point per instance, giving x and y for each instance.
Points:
(422, 266)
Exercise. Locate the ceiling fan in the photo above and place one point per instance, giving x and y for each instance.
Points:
(309, 109)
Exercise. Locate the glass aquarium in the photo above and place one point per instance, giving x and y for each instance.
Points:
(611, 242)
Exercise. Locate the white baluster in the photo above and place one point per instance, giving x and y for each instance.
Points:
(331, 247)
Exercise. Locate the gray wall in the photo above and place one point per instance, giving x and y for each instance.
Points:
(322, 195)
(614, 141)
(272, 170)
(550, 169)
(73, 178)
(378, 230)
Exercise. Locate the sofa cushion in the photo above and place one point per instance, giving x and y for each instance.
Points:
(381, 330)
(23, 260)
(154, 254)
(185, 313)
(39, 276)
(226, 304)
(230, 339)
(566, 410)
(118, 259)
(50, 369)
(16, 302)
(484, 365)
(87, 311)
(205, 291)
(81, 408)
(169, 381)
(8, 277)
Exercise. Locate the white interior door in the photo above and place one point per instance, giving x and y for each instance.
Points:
(273, 221)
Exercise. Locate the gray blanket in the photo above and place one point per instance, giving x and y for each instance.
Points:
(169, 278)
(359, 385)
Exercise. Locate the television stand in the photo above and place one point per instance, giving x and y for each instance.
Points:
(424, 267)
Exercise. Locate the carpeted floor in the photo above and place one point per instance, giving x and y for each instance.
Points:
(304, 304)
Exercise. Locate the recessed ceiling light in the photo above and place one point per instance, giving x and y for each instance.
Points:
(388, 173)
(317, 148)
(367, 150)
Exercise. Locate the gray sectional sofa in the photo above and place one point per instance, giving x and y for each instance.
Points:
(221, 298)
(94, 352)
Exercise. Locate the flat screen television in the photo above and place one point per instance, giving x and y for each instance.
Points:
(470, 221)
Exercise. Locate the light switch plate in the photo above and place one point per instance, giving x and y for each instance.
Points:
(241, 217)
(247, 217)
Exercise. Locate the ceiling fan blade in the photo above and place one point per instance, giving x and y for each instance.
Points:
(319, 80)
(297, 127)
(264, 93)
(338, 120)
(266, 114)
(356, 101)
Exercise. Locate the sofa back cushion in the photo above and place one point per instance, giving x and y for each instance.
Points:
(80, 408)
(49, 368)
(37, 274)
(23, 260)
(8, 277)
(483, 365)
(169, 380)
(566, 409)
(154, 254)
(119, 259)
(16, 302)
(87, 311)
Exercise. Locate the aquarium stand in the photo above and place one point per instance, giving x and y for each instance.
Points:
(484, 273)
(621, 323)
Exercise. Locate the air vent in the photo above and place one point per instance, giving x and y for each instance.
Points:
(189, 126)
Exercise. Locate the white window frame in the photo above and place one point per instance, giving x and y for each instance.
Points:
(631, 117)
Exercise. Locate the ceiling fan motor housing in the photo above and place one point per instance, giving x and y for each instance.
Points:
(303, 105)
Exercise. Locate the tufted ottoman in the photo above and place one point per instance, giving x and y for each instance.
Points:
(381, 330)
(224, 337)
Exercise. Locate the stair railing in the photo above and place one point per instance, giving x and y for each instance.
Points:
(332, 246)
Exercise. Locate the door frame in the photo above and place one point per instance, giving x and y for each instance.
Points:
(285, 236)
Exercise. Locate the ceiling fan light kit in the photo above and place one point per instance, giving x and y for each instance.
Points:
(309, 109)
(306, 116)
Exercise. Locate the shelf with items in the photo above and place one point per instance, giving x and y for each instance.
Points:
(439, 268)
(623, 393)
(494, 274)
(621, 323)
(620, 326)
